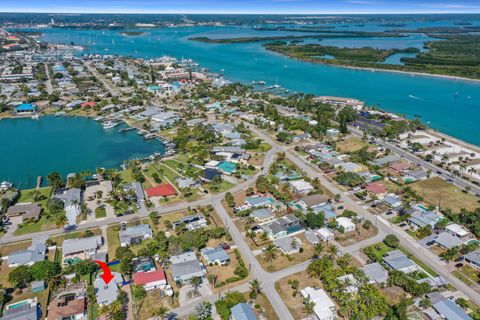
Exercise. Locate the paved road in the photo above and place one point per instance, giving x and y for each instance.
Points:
(48, 83)
(105, 83)
(458, 181)
(384, 227)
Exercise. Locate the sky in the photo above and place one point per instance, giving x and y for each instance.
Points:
(242, 6)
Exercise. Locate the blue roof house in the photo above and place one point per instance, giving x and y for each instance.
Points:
(242, 311)
(25, 108)
(215, 255)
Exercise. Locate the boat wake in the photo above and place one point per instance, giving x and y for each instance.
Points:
(415, 97)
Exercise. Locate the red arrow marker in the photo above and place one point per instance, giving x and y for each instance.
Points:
(107, 274)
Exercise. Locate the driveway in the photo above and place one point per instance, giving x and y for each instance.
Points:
(185, 298)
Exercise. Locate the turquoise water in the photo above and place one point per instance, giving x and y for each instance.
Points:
(30, 148)
(451, 106)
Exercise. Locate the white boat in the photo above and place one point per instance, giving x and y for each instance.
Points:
(109, 125)
(35, 116)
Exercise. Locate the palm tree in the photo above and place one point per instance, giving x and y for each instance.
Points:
(160, 312)
(318, 250)
(196, 282)
(255, 288)
(308, 305)
(270, 253)
(60, 219)
(333, 250)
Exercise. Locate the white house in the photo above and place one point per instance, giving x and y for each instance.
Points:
(324, 306)
(325, 234)
(346, 223)
(301, 186)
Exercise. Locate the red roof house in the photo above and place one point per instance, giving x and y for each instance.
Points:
(400, 166)
(162, 190)
(88, 104)
(150, 280)
(376, 188)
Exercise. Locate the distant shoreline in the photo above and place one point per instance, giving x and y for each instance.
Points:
(132, 33)
(412, 73)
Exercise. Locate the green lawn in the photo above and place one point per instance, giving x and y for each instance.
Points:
(380, 249)
(224, 186)
(113, 241)
(100, 212)
(26, 195)
(42, 224)
(126, 176)
(467, 274)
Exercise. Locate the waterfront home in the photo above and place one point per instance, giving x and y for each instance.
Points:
(164, 119)
(282, 226)
(262, 215)
(325, 234)
(242, 311)
(25, 108)
(135, 234)
(162, 190)
(81, 248)
(148, 113)
(473, 258)
(301, 186)
(107, 293)
(215, 255)
(27, 309)
(420, 219)
(72, 199)
(69, 303)
(288, 245)
(185, 267)
(324, 307)
(26, 211)
(34, 253)
(397, 260)
(191, 222)
(346, 224)
(447, 240)
(377, 189)
(137, 188)
(375, 273)
(150, 280)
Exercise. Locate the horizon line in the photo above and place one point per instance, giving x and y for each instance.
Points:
(249, 13)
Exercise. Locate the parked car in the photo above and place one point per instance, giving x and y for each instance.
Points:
(459, 265)
(123, 225)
